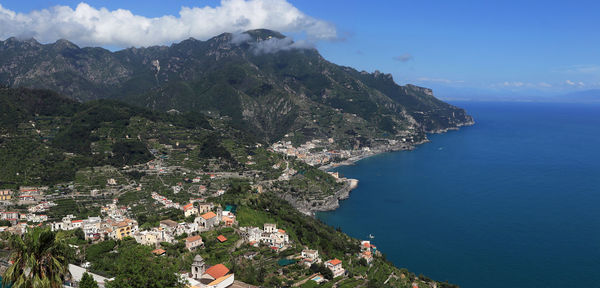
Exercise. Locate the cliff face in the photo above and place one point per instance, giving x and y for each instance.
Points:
(260, 80)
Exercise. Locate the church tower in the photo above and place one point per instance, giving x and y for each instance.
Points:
(198, 267)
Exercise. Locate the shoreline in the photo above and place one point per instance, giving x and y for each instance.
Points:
(333, 201)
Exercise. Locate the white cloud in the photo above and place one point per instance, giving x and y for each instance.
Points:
(273, 45)
(513, 84)
(544, 84)
(572, 83)
(89, 26)
(520, 85)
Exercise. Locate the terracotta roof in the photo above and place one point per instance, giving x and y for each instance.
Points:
(188, 206)
(221, 238)
(217, 271)
(281, 231)
(335, 262)
(76, 221)
(226, 219)
(193, 238)
(208, 215)
(158, 251)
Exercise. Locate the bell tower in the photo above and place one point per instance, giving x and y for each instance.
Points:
(198, 267)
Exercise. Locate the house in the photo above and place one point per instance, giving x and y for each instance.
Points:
(310, 257)
(204, 207)
(367, 246)
(26, 199)
(336, 268)
(367, 250)
(189, 210)
(207, 221)
(270, 228)
(277, 239)
(253, 234)
(192, 242)
(169, 225)
(76, 224)
(159, 252)
(146, 238)
(228, 221)
(367, 255)
(5, 195)
(12, 217)
(36, 218)
(221, 238)
(270, 235)
(5, 215)
(123, 229)
(91, 226)
(25, 190)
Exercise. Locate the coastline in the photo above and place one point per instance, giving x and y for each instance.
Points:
(332, 202)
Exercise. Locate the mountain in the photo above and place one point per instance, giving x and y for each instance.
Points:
(260, 81)
(45, 138)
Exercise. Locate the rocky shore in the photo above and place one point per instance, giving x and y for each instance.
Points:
(332, 202)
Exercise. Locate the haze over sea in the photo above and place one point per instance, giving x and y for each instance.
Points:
(510, 202)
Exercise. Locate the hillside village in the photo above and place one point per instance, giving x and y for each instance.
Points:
(199, 219)
(191, 194)
(116, 223)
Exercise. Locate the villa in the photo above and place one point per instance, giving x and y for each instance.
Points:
(310, 257)
(336, 268)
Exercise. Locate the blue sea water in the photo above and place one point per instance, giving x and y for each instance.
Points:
(513, 201)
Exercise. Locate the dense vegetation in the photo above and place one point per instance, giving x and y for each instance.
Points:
(46, 138)
(271, 92)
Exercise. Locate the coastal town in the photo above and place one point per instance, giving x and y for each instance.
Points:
(203, 220)
(192, 199)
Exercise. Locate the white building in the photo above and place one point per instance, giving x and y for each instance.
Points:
(336, 268)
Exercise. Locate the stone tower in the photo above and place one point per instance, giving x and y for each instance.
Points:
(198, 267)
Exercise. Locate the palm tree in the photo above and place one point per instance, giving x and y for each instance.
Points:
(39, 259)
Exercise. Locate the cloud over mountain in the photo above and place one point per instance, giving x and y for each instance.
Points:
(89, 26)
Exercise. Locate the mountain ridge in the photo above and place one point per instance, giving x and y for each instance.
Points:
(260, 79)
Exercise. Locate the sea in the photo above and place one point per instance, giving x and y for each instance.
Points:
(513, 201)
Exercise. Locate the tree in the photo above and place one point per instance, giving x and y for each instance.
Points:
(137, 267)
(87, 281)
(79, 234)
(40, 259)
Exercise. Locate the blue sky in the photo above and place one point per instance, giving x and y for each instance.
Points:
(460, 48)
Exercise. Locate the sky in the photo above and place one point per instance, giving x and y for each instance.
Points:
(461, 49)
